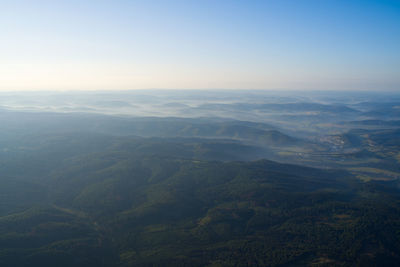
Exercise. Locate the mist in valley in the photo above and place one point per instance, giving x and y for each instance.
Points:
(109, 178)
(276, 144)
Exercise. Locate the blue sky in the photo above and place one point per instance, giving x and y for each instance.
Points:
(96, 45)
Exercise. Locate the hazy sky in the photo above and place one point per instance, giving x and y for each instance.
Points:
(115, 44)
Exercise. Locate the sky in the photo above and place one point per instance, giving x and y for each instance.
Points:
(202, 44)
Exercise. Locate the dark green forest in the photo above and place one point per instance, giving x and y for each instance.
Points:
(97, 190)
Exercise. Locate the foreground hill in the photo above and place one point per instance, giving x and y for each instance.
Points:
(97, 200)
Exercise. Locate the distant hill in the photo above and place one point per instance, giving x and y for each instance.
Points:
(283, 107)
(257, 133)
(391, 123)
(386, 138)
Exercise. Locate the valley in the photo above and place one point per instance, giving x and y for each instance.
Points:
(92, 189)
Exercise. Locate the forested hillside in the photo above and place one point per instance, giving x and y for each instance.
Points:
(97, 200)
